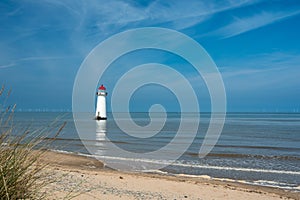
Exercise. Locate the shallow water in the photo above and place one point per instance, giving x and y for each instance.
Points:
(259, 148)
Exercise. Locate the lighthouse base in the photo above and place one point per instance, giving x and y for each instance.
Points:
(100, 118)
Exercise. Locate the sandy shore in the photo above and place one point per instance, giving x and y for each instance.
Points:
(85, 178)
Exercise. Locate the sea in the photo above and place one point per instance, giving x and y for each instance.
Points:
(253, 148)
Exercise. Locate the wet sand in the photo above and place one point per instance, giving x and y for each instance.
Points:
(82, 177)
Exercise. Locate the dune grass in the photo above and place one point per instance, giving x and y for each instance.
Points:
(21, 173)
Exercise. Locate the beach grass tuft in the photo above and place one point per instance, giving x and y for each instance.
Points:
(21, 173)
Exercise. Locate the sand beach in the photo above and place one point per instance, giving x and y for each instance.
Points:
(80, 177)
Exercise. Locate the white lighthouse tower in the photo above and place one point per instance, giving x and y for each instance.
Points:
(101, 103)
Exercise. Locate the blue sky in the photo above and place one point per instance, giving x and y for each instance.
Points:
(255, 45)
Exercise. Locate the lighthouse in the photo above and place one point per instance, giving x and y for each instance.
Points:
(101, 103)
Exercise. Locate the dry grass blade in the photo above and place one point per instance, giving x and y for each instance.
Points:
(21, 173)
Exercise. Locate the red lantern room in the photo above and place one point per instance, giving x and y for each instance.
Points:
(102, 87)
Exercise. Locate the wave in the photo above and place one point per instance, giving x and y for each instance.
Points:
(228, 155)
(83, 140)
(218, 145)
(92, 143)
(267, 183)
(259, 147)
(166, 162)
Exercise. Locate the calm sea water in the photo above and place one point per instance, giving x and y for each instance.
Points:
(257, 148)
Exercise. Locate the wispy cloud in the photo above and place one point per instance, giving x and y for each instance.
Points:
(263, 61)
(28, 59)
(241, 25)
(85, 24)
(183, 15)
(7, 66)
(274, 70)
(108, 15)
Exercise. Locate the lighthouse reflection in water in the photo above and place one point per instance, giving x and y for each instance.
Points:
(100, 137)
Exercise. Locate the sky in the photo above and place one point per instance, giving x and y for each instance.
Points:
(255, 45)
